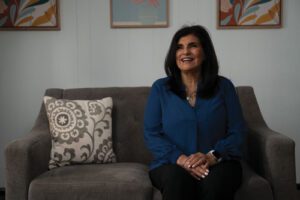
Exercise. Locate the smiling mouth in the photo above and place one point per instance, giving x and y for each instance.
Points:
(186, 59)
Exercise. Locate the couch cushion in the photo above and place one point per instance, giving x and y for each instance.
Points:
(81, 131)
(128, 111)
(114, 181)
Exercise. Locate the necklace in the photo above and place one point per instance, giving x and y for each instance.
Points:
(191, 96)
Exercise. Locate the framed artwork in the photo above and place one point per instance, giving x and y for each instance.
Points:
(249, 14)
(139, 13)
(29, 15)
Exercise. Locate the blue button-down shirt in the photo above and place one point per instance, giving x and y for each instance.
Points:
(172, 127)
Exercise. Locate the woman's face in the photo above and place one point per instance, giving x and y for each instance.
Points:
(189, 54)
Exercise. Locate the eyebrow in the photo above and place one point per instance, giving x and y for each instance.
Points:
(190, 43)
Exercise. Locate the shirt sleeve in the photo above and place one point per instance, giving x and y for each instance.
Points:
(230, 147)
(162, 149)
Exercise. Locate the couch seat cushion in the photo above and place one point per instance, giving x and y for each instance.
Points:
(113, 181)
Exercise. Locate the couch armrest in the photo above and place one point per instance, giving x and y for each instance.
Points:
(253, 186)
(26, 158)
(272, 155)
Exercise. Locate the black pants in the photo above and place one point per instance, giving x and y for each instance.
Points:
(175, 183)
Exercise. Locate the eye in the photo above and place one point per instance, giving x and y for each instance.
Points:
(195, 45)
(179, 47)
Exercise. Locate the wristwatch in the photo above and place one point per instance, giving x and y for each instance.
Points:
(216, 154)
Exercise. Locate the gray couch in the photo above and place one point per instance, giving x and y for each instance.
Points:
(268, 169)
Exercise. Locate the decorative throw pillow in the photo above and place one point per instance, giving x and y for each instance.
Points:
(80, 131)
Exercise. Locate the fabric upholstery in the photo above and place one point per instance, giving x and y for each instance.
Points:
(253, 186)
(268, 155)
(28, 156)
(128, 111)
(121, 181)
(80, 131)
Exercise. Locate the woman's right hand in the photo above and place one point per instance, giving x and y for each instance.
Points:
(199, 172)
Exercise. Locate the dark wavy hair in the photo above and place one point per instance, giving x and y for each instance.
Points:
(209, 68)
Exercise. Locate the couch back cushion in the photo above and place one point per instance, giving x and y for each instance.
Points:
(128, 115)
(127, 118)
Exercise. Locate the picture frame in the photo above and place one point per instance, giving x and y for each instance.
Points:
(139, 13)
(29, 15)
(239, 14)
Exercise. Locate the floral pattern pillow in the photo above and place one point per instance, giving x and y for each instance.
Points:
(80, 131)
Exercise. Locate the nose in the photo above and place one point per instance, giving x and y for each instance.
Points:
(186, 50)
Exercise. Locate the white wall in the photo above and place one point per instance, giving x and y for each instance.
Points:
(87, 53)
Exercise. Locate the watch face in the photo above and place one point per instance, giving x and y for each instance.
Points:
(216, 154)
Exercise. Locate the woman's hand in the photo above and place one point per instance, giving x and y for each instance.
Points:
(195, 160)
(195, 164)
(211, 159)
(199, 172)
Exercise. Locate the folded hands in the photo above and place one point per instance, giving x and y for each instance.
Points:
(197, 164)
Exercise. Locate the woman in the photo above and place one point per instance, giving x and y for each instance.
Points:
(193, 123)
